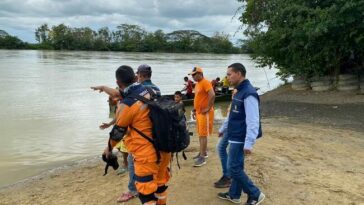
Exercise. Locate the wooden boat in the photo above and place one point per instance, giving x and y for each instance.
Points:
(219, 97)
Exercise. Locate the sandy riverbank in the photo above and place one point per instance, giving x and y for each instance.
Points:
(312, 153)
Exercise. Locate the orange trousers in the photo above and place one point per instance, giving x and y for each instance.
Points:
(155, 175)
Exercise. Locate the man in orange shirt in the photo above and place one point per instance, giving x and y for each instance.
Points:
(203, 112)
(132, 117)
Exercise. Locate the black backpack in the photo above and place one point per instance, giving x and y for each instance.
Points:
(170, 133)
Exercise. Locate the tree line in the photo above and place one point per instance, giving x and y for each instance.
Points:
(306, 38)
(126, 37)
(11, 42)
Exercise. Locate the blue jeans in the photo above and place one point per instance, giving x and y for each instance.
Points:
(240, 181)
(131, 185)
(221, 149)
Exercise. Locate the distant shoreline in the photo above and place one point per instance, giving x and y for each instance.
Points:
(126, 37)
(64, 50)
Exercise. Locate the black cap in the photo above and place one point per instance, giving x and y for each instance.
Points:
(144, 68)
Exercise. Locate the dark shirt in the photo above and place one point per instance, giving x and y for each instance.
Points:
(148, 83)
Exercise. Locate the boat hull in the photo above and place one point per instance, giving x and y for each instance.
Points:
(218, 98)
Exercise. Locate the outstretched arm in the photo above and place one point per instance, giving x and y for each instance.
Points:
(106, 125)
(110, 91)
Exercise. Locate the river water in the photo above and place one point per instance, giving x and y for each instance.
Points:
(49, 116)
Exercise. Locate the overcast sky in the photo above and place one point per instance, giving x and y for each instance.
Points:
(22, 17)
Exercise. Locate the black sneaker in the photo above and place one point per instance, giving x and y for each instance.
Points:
(223, 182)
(226, 196)
(256, 201)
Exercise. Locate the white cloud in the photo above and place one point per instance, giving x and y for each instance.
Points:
(207, 16)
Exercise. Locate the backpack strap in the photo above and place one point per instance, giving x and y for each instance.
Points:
(145, 100)
(141, 98)
(184, 157)
(151, 141)
(148, 102)
(151, 92)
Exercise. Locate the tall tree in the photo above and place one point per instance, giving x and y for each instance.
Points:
(82, 38)
(183, 40)
(130, 37)
(60, 37)
(221, 43)
(309, 38)
(154, 42)
(103, 39)
(42, 33)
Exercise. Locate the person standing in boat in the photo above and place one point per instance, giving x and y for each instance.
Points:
(225, 85)
(215, 84)
(188, 88)
(203, 112)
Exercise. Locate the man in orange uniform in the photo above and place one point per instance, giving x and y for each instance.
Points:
(150, 177)
(203, 111)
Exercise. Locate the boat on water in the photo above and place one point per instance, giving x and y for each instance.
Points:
(219, 97)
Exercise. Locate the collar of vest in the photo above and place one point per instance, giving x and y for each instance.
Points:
(131, 88)
(242, 84)
(147, 82)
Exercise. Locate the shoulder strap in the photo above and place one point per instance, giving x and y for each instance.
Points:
(144, 99)
(151, 141)
(151, 92)
(143, 135)
(141, 98)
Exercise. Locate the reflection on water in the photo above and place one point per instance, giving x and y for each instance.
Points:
(218, 114)
(50, 116)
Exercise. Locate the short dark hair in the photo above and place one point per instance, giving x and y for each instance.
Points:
(238, 67)
(185, 78)
(218, 79)
(125, 75)
(178, 93)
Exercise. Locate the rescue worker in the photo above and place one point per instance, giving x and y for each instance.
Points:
(132, 117)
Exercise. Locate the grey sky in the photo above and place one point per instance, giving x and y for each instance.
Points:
(22, 17)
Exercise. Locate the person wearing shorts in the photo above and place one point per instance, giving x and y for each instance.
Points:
(203, 112)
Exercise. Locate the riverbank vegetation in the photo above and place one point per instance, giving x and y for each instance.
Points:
(10, 42)
(306, 38)
(126, 37)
